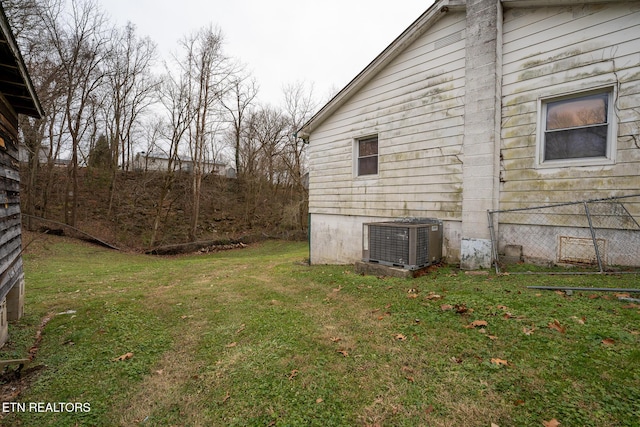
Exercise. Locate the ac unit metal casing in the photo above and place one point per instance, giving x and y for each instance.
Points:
(410, 244)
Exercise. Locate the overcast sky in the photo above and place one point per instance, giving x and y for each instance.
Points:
(326, 43)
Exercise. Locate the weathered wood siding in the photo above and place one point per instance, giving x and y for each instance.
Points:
(415, 105)
(10, 231)
(556, 50)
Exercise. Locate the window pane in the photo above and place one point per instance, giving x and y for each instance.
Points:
(368, 166)
(576, 143)
(368, 147)
(576, 112)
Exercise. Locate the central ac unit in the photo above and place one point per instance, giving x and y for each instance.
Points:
(409, 244)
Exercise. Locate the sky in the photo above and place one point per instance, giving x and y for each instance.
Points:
(325, 43)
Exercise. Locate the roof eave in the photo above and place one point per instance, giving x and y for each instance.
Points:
(29, 105)
(408, 36)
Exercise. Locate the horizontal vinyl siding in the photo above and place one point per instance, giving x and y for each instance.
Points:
(553, 51)
(415, 106)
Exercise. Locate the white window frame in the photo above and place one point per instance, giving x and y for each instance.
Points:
(357, 157)
(612, 131)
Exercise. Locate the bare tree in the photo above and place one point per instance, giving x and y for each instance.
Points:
(131, 88)
(299, 107)
(209, 73)
(176, 100)
(78, 40)
(237, 103)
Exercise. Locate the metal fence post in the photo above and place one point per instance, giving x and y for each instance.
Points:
(494, 243)
(593, 237)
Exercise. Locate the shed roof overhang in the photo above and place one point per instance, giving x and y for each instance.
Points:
(15, 84)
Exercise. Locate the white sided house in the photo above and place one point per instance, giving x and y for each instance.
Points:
(479, 105)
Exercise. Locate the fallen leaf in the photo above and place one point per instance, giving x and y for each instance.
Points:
(594, 296)
(335, 339)
(631, 305)
(518, 402)
(319, 400)
(412, 296)
(429, 410)
(502, 307)
(492, 337)
(456, 359)
(445, 307)
(608, 341)
(233, 344)
(159, 371)
(410, 379)
(343, 352)
(123, 357)
(499, 362)
(528, 331)
(338, 289)
(242, 327)
(461, 308)
(226, 397)
(507, 315)
(477, 323)
(293, 374)
(551, 423)
(557, 326)
(623, 295)
(400, 337)
(494, 425)
(433, 296)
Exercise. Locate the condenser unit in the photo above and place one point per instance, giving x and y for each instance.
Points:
(409, 244)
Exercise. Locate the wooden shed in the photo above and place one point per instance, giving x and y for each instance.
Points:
(17, 96)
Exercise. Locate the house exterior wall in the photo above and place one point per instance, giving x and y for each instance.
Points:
(556, 50)
(415, 105)
(462, 106)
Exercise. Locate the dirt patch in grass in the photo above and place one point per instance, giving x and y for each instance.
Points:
(15, 380)
(164, 387)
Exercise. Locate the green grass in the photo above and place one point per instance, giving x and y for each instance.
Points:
(255, 337)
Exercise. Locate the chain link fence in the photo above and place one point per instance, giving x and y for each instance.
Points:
(600, 235)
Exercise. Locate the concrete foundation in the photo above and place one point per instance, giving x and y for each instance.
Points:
(372, 269)
(475, 254)
(15, 301)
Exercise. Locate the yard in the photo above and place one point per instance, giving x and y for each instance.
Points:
(255, 337)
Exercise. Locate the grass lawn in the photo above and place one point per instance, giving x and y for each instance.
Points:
(255, 337)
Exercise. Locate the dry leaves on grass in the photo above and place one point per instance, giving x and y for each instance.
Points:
(433, 296)
(528, 331)
(293, 374)
(344, 353)
(551, 423)
(125, 356)
(400, 337)
(499, 362)
(557, 326)
(230, 345)
(476, 324)
(608, 341)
